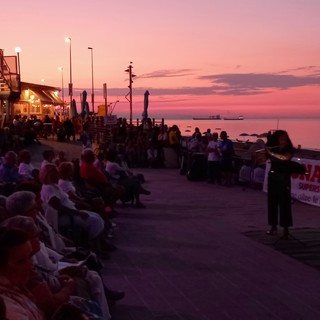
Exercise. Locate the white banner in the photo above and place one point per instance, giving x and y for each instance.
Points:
(305, 188)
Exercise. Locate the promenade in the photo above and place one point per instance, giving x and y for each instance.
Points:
(186, 257)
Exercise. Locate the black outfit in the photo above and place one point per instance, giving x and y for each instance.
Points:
(279, 191)
(213, 171)
(68, 128)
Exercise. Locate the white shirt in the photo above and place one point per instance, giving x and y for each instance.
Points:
(44, 163)
(213, 155)
(113, 169)
(66, 186)
(25, 170)
(48, 192)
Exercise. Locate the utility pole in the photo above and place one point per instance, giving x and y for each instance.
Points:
(131, 76)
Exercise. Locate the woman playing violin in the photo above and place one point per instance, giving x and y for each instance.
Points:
(280, 151)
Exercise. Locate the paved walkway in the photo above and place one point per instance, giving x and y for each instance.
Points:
(185, 256)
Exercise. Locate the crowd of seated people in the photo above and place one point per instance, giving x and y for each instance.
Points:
(120, 175)
(54, 239)
(141, 145)
(24, 131)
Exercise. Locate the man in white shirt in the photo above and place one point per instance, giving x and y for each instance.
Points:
(214, 159)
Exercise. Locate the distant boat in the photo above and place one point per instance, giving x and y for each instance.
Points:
(215, 117)
(234, 118)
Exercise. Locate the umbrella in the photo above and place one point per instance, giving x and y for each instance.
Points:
(86, 110)
(243, 134)
(253, 135)
(145, 105)
(83, 104)
(73, 109)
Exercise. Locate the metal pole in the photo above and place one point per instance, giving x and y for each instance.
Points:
(18, 56)
(130, 87)
(131, 76)
(71, 89)
(92, 82)
(105, 95)
(70, 84)
(62, 92)
(18, 50)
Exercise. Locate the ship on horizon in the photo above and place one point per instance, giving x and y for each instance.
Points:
(234, 118)
(214, 117)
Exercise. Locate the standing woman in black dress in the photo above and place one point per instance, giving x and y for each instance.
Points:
(280, 150)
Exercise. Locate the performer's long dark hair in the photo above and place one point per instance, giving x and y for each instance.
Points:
(273, 141)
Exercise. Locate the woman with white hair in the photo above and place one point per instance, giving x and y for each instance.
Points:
(25, 203)
(61, 212)
(66, 173)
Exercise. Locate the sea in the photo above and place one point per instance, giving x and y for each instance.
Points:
(302, 132)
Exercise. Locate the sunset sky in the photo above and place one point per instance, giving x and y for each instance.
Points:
(229, 57)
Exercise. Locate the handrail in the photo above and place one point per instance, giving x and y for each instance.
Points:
(10, 78)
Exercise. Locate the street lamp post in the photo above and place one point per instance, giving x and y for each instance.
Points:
(105, 95)
(18, 50)
(68, 40)
(92, 82)
(62, 91)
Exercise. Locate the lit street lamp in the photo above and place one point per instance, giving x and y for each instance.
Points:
(92, 83)
(68, 40)
(62, 91)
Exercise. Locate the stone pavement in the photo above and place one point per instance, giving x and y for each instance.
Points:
(185, 256)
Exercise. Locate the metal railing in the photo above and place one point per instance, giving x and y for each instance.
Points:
(9, 81)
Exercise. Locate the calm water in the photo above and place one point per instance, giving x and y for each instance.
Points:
(305, 132)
